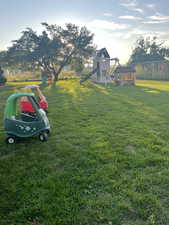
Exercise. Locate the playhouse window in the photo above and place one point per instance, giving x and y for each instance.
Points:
(25, 111)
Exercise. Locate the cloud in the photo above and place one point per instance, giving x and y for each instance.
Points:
(108, 25)
(115, 46)
(138, 10)
(132, 5)
(108, 14)
(137, 32)
(130, 17)
(151, 6)
(154, 22)
(129, 3)
(157, 19)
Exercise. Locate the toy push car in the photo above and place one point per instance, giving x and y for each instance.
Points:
(20, 124)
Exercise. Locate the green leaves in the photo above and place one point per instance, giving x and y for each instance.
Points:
(51, 50)
(147, 49)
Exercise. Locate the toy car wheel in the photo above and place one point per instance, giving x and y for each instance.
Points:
(11, 140)
(43, 136)
(48, 132)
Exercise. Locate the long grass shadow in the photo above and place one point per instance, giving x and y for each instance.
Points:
(102, 159)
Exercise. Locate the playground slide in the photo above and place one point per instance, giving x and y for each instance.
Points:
(88, 76)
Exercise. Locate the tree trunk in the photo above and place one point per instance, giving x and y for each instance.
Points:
(65, 61)
(56, 74)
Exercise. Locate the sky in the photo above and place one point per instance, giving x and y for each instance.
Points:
(117, 24)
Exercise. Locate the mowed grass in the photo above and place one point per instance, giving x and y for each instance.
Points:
(105, 163)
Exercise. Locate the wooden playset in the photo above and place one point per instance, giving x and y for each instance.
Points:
(103, 73)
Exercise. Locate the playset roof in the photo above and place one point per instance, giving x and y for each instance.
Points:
(125, 69)
(103, 53)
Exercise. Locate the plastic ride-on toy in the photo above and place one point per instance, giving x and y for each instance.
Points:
(19, 124)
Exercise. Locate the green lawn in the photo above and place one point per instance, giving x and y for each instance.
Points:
(105, 163)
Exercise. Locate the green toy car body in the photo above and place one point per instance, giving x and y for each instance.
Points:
(22, 125)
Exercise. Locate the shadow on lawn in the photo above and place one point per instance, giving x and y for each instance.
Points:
(97, 131)
(145, 102)
(131, 95)
(140, 98)
(94, 101)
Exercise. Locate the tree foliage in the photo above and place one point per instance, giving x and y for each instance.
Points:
(3, 55)
(77, 64)
(50, 51)
(148, 49)
(2, 77)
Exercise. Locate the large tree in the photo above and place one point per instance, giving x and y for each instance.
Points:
(148, 50)
(50, 51)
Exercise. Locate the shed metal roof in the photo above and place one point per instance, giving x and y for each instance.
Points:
(125, 69)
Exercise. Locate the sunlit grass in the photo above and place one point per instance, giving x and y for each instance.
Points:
(161, 85)
(105, 163)
(24, 83)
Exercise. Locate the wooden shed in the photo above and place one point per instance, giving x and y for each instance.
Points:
(154, 70)
(124, 75)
